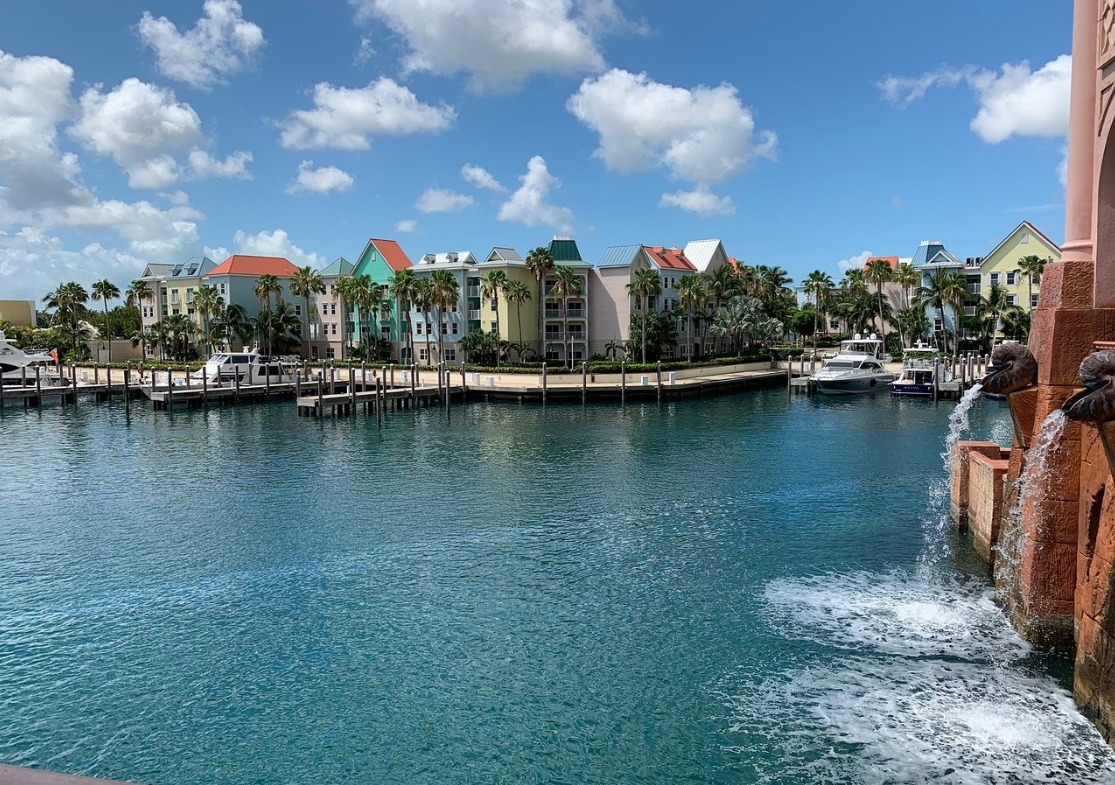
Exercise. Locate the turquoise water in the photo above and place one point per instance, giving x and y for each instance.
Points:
(745, 589)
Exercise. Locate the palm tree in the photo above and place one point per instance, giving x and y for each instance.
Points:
(305, 283)
(233, 322)
(424, 299)
(446, 293)
(265, 286)
(105, 290)
(518, 293)
(540, 262)
(366, 299)
(346, 289)
(990, 308)
(1016, 323)
(568, 284)
(492, 285)
(282, 327)
(1033, 266)
(742, 318)
(403, 286)
(944, 288)
(691, 296)
(136, 293)
(68, 302)
(179, 330)
(208, 302)
(908, 277)
(645, 286)
(817, 286)
(879, 272)
(773, 290)
(142, 338)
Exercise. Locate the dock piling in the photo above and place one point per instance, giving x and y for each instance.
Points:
(623, 381)
(584, 383)
(543, 384)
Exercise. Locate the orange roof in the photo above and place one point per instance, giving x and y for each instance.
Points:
(240, 264)
(670, 258)
(891, 260)
(392, 253)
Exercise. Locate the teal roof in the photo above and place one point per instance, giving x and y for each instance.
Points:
(934, 254)
(565, 250)
(619, 255)
(340, 266)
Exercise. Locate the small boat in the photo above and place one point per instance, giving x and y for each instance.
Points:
(17, 367)
(922, 372)
(857, 368)
(227, 369)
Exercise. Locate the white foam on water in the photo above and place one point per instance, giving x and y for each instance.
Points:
(958, 421)
(925, 684)
(895, 613)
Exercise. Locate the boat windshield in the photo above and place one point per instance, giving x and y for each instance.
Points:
(841, 364)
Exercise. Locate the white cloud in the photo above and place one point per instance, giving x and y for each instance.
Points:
(1019, 102)
(700, 201)
(33, 263)
(481, 178)
(1063, 166)
(204, 166)
(140, 126)
(703, 135)
(321, 180)
(275, 243)
(406, 226)
(220, 44)
(41, 186)
(364, 51)
(34, 99)
(907, 89)
(345, 118)
(855, 262)
(441, 200)
(1014, 102)
(528, 204)
(498, 44)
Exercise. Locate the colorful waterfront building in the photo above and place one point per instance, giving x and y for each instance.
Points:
(379, 261)
(930, 259)
(429, 334)
(327, 319)
(172, 289)
(235, 279)
(499, 315)
(565, 321)
(1003, 266)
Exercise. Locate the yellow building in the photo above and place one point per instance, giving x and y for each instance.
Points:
(1001, 266)
(514, 323)
(18, 312)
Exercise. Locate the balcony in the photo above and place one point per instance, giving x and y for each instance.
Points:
(474, 315)
(474, 291)
(575, 313)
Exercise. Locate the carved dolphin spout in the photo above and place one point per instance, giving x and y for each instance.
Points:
(1013, 368)
(1096, 402)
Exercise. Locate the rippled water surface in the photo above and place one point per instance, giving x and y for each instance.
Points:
(736, 590)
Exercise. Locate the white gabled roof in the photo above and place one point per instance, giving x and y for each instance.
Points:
(702, 252)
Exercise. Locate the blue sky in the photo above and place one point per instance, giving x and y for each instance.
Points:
(804, 135)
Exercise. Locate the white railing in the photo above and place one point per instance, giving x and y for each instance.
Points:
(474, 315)
(474, 291)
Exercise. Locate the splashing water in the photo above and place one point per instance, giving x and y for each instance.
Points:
(936, 520)
(958, 421)
(1030, 490)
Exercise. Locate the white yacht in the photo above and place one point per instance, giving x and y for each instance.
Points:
(224, 369)
(17, 366)
(857, 368)
(922, 372)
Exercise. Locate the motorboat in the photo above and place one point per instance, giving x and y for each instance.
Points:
(228, 369)
(857, 368)
(23, 368)
(922, 372)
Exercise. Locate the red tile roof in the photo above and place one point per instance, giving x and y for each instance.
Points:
(240, 264)
(891, 260)
(392, 253)
(669, 258)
